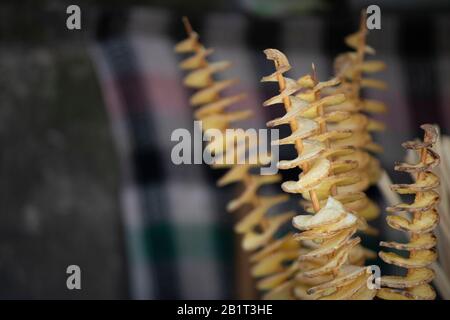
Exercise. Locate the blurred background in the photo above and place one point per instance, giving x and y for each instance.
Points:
(86, 117)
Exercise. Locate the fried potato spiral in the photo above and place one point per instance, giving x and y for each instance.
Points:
(420, 220)
(271, 255)
(324, 178)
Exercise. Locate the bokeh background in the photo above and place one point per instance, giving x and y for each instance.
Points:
(86, 118)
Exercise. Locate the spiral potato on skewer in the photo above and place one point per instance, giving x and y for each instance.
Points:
(323, 180)
(271, 256)
(350, 69)
(420, 220)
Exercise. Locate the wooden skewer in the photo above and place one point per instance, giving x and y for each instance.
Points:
(298, 142)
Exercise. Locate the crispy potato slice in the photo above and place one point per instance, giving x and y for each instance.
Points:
(210, 93)
(429, 181)
(285, 243)
(356, 122)
(247, 195)
(291, 87)
(202, 77)
(431, 135)
(369, 212)
(333, 212)
(346, 275)
(432, 159)
(301, 294)
(187, 45)
(346, 291)
(254, 240)
(422, 242)
(308, 180)
(353, 42)
(253, 218)
(425, 223)
(415, 277)
(197, 60)
(358, 139)
(372, 66)
(218, 106)
(361, 185)
(351, 201)
(375, 125)
(373, 83)
(342, 166)
(361, 157)
(222, 121)
(311, 150)
(306, 128)
(329, 245)
(276, 279)
(328, 231)
(422, 292)
(335, 262)
(422, 202)
(273, 263)
(334, 135)
(282, 292)
(373, 106)
(344, 180)
(364, 293)
(298, 107)
(417, 259)
(358, 255)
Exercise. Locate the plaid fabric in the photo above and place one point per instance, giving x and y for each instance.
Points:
(179, 236)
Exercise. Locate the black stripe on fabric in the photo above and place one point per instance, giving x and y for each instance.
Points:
(148, 166)
(418, 55)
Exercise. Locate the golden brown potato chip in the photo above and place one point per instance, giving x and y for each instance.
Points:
(210, 94)
(353, 42)
(414, 277)
(311, 150)
(430, 138)
(364, 293)
(218, 106)
(374, 106)
(422, 202)
(373, 83)
(417, 259)
(346, 291)
(273, 263)
(328, 231)
(431, 160)
(252, 219)
(201, 78)
(346, 275)
(329, 245)
(254, 240)
(429, 181)
(425, 223)
(335, 262)
(311, 178)
(250, 191)
(333, 212)
(187, 45)
(287, 242)
(276, 279)
(422, 292)
(281, 292)
(421, 242)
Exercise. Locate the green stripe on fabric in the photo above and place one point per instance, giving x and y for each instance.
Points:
(196, 241)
